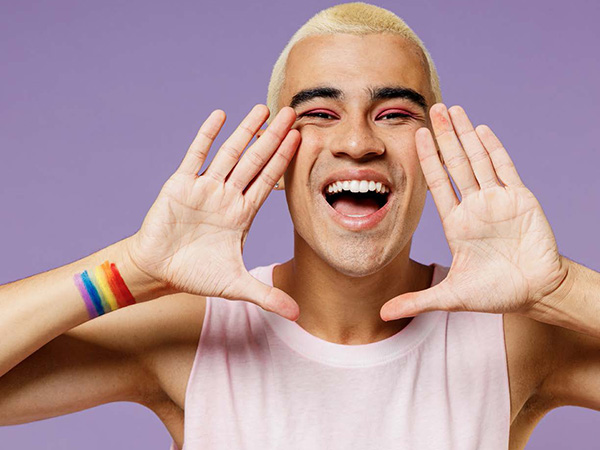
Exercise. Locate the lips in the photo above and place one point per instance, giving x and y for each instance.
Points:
(356, 223)
(371, 201)
(356, 174)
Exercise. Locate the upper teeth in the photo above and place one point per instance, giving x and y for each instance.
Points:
(357, 186)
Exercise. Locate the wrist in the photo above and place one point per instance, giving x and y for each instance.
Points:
(551, 307)
(142, 285)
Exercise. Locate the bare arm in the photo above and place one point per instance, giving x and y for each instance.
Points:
(575, 303)
(35, 310)
(572, 313)
(132, 354)
(55, 360)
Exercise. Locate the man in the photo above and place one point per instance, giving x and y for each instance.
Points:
(351, 146)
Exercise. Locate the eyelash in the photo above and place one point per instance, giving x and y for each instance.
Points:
(401, 115)
(317, 115)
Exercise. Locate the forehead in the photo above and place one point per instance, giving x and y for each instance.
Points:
(350, 62)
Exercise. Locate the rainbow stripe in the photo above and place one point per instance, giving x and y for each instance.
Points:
(103, 289)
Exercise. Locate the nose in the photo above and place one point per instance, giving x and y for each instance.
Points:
(356, 138)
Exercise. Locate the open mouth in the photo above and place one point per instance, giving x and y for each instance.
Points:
(356, 199)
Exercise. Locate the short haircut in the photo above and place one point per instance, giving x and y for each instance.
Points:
(356, 18)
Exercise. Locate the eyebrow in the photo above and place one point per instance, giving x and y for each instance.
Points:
(376, 93)
(387, 92)
(306, 95)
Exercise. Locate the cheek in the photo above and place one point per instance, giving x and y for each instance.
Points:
(310, 147)
(299, 168)
(312, 136)
(403, 149)
(413, 162)
(410, 155)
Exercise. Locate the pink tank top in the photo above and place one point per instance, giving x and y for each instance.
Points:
(262, 382)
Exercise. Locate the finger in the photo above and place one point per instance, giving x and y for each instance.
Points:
(455, 158)
(436, 177)
(262, 186)
(229, 153)
(196, 153)
(267, 297)
(257, 156)
(412, 304)
(478, 155)
(505, 168)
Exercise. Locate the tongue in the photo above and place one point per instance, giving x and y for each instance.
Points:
(355, 205)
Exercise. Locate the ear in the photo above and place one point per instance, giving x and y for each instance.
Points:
(280, 185)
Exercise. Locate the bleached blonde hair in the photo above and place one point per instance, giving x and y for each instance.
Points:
(348, 18)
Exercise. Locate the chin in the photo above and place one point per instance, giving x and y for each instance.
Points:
(356, 261)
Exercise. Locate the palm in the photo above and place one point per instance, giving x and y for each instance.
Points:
(499, 231)
(504, 254)
(193, 223)
(192, 237)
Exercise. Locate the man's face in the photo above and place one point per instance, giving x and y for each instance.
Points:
(359, 101)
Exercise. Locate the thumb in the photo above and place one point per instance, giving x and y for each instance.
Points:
(268, 297)
(414, 303)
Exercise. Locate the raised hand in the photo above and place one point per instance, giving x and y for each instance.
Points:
(504, 254)
(193, 235)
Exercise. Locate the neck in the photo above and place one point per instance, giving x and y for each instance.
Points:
(343, 309)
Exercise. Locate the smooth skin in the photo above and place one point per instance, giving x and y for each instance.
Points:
(341, 278)
(498, 226)
(190, 246)
(200, 218)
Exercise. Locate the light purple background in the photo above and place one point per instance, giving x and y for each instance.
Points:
(99, 101)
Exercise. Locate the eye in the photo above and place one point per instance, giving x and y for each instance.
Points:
(395, 115)
(317, 114)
